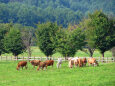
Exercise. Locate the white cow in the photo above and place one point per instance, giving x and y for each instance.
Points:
(59, 62)
(72, 61)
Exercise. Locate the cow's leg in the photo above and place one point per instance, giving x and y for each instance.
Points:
(57, 65)
(60, 65)
(71, 66)
(89, 64)
(52, 65)
(34, 66)
(19, 68)
(42, 67)
(22, 68)
(38, 68)
(46, 67)
(92, 64)
(26, 67)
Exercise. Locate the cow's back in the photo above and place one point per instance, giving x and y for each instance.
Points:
(49, 62)
(35, 62)
(91, 60)
(22, 63)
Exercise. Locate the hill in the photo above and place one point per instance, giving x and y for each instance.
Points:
(30, 12)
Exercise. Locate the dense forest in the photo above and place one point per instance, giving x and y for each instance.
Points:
(64, 12)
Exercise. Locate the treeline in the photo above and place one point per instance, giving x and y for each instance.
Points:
(64, 12)
(95, 32)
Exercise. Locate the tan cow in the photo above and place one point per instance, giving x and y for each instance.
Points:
(79, 62)
(92, 61)
(35, 63)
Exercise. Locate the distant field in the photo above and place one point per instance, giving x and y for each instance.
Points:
(36, 52)
(103, 75)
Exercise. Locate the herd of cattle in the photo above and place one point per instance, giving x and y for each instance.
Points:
(72, 61)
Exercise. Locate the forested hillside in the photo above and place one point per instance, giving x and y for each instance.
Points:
(30, 12)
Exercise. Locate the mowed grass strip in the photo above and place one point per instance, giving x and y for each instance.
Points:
(104, 75)
(37, 53)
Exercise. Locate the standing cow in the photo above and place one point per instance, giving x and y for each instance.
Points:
(49, 62)
(35, 63)
(59, 62)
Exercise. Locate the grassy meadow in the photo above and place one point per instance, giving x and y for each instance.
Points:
(37, 53)
(103, 75)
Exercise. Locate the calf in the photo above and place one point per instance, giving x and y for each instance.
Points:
(59, 62)
(35, 63)
(92, 61)
(22, 64)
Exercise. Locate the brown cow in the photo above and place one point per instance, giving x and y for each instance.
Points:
(42, 65)
(84, 61)
(22, 64)
(92, 61)
(49, 62)
(35, 63)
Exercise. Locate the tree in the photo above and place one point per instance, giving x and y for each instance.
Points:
(103, 31)
(13, 42)
(45, 35)
(70, 41)
(4, 28)
(64, 45)
(89, 35)
(113, 51)
(27, 34)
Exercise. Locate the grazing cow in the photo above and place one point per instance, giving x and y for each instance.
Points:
(42, 65)
(92, 61)
(49, 62)
(35, 63)
(59, 62)
(84, 61)
(22, 64)
(73, 61)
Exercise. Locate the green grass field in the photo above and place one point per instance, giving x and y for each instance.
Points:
(36, 52)
(103, 75)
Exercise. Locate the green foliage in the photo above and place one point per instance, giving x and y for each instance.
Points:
(4, 28)
(70, 42)
(45, 35)
(30, 12)
(103, 31)
(13, 42)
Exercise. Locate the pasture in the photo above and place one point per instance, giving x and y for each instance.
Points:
(103, 75)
